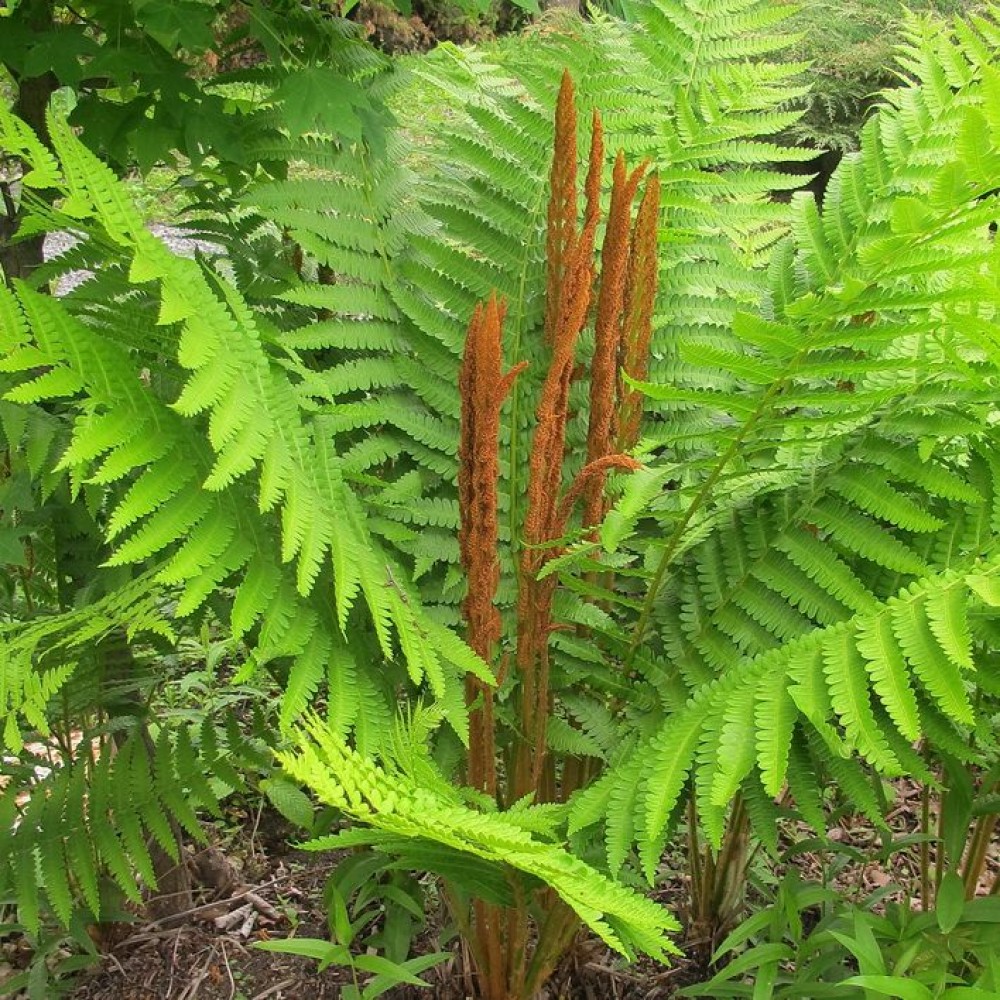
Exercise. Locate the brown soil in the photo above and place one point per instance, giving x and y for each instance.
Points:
(198, 961)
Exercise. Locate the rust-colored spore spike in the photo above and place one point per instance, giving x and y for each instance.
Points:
(622, 323)
(622, 330)
(595, 169)
(637, 323)
(543, 525)
(548, 446)
(483, 387)
(601, 430)
(561, 233)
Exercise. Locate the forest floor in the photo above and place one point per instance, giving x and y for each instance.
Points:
(208, 953)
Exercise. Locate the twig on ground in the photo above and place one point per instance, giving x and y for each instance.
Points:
(263, 907)
(276, 988)
(114, 961)
(202, 974)
(173, 918)
(229, 971)
(227, 921)
(173, 964)
(613, 974)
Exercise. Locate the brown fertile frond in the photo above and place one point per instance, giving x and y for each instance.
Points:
(467, 388)
(548, 445)
(640, 296)
(607, 331)
(542, 519)
(483, 387)
(560, 235)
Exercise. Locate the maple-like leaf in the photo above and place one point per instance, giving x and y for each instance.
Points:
(183, 24)
(318, 99)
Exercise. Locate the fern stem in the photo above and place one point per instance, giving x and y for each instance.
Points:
(925, 848)
(516, 935)
(731, 868)
(939, 848)
(382, 249)
(489, 923)
(557, 933)
(979, 846)
(696, 55)
(694, 852)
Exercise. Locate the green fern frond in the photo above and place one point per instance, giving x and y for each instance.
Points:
(398, 805)
(820, 680)
(95, 813)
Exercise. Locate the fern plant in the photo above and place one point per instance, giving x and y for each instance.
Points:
(785, 561)
(797, 593)
(283, 488)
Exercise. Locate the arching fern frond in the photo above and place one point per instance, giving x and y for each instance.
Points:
(851, 682)
(177, 472)
(401, 808)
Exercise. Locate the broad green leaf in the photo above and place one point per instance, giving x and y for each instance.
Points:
(950, 902)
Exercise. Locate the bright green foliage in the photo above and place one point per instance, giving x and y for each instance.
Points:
(899, 952)
(825, 585)
(411, 818)
(207, 477)
(473, 219)
(285, 453)
(181, 501)
(823, 435)
(38, 659)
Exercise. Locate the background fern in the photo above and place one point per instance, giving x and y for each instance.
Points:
(95, 814)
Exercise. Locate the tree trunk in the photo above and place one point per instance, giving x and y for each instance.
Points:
(19, 259)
